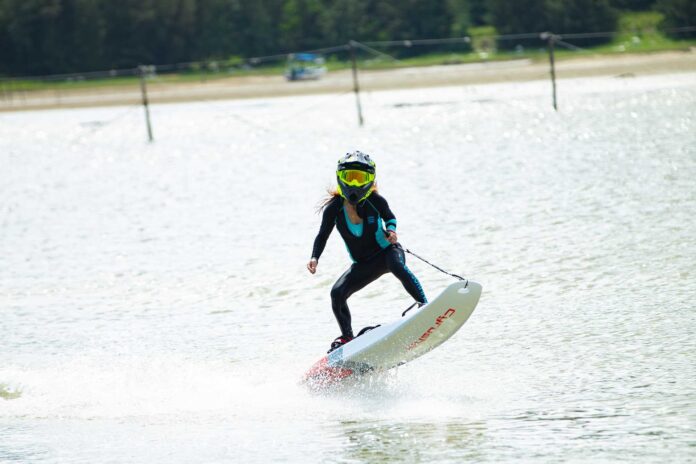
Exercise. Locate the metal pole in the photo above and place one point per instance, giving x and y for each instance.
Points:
(10, 92)
(143, 91)
(356, 86)
(551, 40)
(56, 91)
(21, 87)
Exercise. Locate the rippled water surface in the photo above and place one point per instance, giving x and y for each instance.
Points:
(156, 308)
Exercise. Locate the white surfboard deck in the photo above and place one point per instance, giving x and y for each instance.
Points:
(407, 338)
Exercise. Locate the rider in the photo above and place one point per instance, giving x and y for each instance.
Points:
(368, 227)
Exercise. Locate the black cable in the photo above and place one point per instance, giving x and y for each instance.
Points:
(438, 268)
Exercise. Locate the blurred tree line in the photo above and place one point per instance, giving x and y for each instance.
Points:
(61, 36)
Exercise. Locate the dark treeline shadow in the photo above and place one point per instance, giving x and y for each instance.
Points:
(65, 36)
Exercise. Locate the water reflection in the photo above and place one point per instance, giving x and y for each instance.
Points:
(167, 281)
(379, 441)
(9, 393)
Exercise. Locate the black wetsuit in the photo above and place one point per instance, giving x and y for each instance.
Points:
(371, 252)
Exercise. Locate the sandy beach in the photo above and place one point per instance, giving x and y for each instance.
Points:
(236, 87)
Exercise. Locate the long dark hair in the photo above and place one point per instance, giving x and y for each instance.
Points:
(331, 193)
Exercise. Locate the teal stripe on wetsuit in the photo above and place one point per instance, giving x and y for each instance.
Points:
(414, 279)
(376, 217)
(355, 229)
(379, 235)
(384, 243)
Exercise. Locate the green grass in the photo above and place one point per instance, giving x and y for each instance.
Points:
(194, 76)
(638, 33)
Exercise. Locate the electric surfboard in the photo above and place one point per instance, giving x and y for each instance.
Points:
(386, 346)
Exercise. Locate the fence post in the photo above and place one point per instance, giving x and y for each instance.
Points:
(56, 91)
(550, 41)
(10, 91)
(5, 93)
(143, 90)
(356, 86)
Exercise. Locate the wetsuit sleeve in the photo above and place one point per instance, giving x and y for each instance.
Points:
(384, 211)
(328, 221)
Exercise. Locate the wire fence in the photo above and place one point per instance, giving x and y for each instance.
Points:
(522, 56)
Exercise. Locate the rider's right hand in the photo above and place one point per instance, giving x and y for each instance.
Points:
(312, 265)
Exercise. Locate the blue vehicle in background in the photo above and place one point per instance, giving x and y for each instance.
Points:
(304, 66)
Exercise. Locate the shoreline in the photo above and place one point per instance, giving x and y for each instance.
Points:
(339, 82)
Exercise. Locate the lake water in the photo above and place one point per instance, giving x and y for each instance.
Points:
(155, 305)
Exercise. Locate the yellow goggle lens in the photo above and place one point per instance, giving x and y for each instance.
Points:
(355, 177)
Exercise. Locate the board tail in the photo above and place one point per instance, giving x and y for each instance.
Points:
(321, 375)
